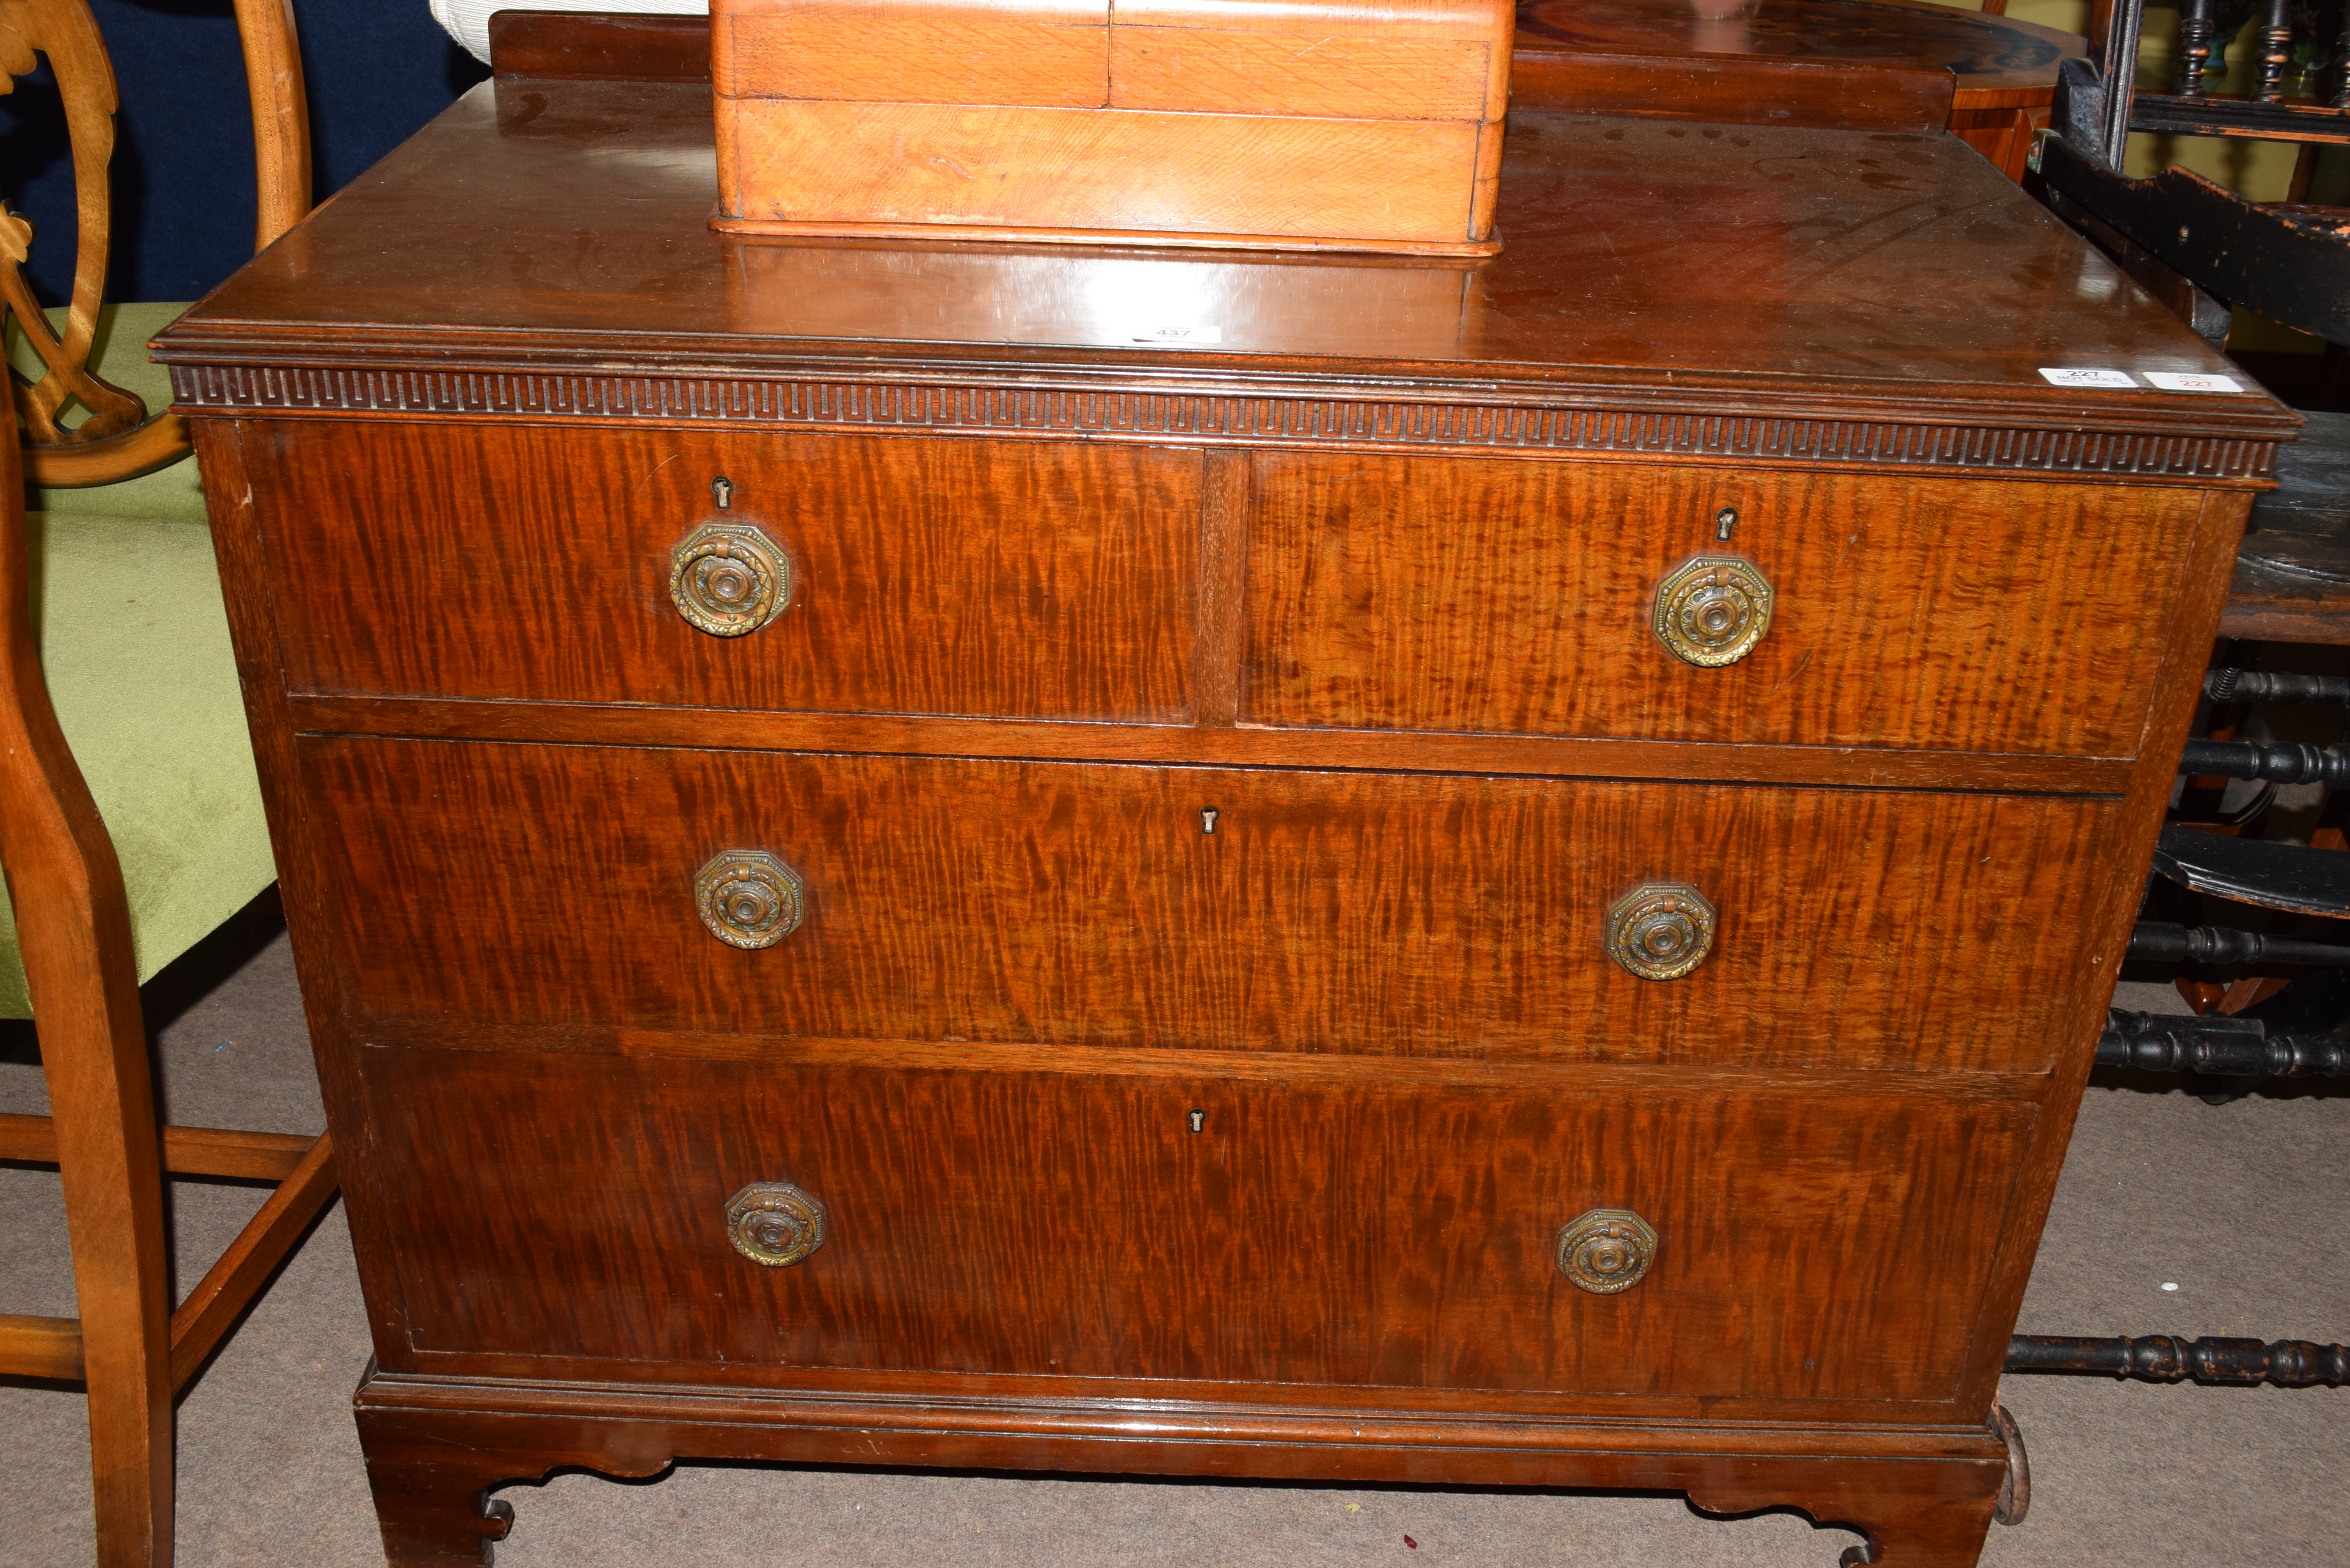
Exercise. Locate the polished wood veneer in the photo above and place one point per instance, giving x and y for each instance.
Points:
(1068, 582)
(1371, 579)
(970, 578)
(1044, 1224)
(1419, 594)
(1084, 905)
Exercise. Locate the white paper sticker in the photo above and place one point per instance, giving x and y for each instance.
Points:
(2116, 380)
(1181, 336)
(2172, 381)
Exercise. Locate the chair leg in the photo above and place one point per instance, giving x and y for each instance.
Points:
(73, 929)
(114, 1210)
(109, 1156)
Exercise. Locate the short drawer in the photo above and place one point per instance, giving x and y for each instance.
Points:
(1522, 596)
(987, 1219)
(556, 889)
(914, 575)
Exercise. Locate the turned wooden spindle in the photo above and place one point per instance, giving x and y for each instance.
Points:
(2276, 51)
(2168, 1358)
(2194, 46)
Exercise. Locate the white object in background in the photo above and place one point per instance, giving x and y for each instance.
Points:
(468, 21)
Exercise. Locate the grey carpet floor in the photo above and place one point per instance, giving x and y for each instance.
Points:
(2238, 1207)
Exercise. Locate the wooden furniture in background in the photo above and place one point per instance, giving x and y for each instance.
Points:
(73, 921)
(1795, 61)
(1289, 124)
(886, 871)
(595, 46)
(2208, 253)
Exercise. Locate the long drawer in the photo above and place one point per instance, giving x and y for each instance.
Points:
(1028, 1223)
(482, 885)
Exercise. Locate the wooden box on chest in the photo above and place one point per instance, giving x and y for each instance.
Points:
(1467, 895)
(1289, 123)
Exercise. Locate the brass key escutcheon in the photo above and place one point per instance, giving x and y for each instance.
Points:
(1713, 610)
(729, 578)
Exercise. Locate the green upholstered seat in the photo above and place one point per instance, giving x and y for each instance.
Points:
(134, 643)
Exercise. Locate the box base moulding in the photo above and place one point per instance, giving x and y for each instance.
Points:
(820, 229)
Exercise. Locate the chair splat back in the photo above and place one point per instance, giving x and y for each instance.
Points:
(121, 437)
(66, 34)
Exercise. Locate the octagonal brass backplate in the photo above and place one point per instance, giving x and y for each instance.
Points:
(774, 1223)
(1711, 610)
(748, 898)
(1607, 1250)
(1661, 931)
(729, 578)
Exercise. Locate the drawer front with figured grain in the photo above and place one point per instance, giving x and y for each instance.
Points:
(885, 574)
(718, 1218)
(1435, 594)
(538, 887)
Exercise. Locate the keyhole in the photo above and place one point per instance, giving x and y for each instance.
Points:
(723, 489)
(1208, 815)
(1723, 521)
(1199, 1120)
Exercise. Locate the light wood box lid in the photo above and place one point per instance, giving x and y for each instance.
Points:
(1396, 59)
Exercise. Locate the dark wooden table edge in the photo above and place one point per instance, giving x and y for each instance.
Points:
(199, 342)
(1626, 427)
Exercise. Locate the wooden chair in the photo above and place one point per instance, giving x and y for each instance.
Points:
(81, 947)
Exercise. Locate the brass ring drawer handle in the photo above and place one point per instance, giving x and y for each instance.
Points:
(729, 578)
(774, 1223)
(1713, 610)
(1607, 1250)
(1661, 931)
(748, 898)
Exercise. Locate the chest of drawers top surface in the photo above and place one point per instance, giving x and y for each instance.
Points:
(557, 231)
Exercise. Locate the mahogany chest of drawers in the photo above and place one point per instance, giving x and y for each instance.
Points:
(1263, 865)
